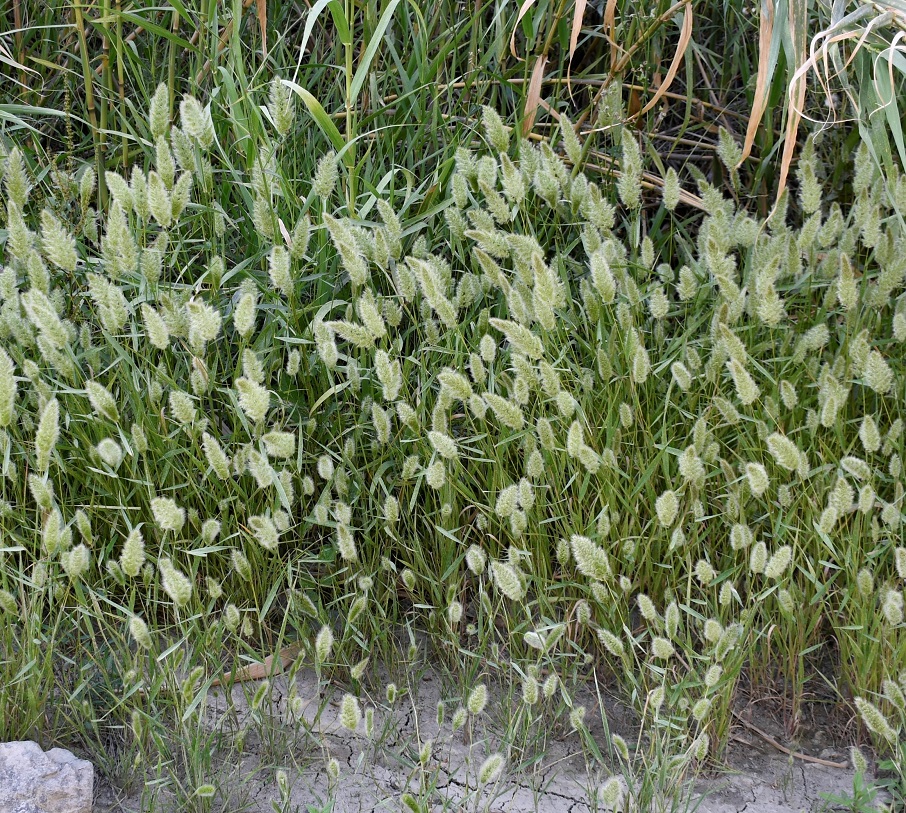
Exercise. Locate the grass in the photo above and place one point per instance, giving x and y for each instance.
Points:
(338, 349)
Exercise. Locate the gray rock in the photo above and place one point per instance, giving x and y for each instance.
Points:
(32, 781)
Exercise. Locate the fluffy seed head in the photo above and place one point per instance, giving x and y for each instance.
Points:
(241, 565)
(611, 792)
(264, 532)
(159, 112)
(102, 400)
(204, 324)
(591, 560)
(662, 649)
(681, 375)
(507, 413)
(281, 445)
(899, 560)
(196, 121)
(878, 374)
(757, 476)
(214, 454)
(672, 618)
(58, 244)
(784, 451)
(168, 515)
(281, 106)
(138, 629)
(758, 559)
(346, 543)
(7, 389)
(740, 536)
(326, 176)
(110, 452)
(490, 769)
(870, 435)
(746, 388)
(16, 178)
(182, 407)
(488, 349)
(507, 580)
(495, 131)
(477, 700)
(436, 475)
(671, 190)
(788, 395)
(444, 445)
(476, 559)
(704, 572)
(611, 643)
(254, 399)
(713, 631)
(155, 327)
(76, 561)
(8, 603)
(779, 562)
(210, 530)
(176, 585)
(47, 435)
(667, 507)
(647, 609)
(323, 645)
(857, 467)
(245, 314)
(875, 721)
(350, 712)
(892, 607)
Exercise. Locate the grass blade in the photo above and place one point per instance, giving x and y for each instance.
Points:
(310, 21)
(361, 73)
(319, 114)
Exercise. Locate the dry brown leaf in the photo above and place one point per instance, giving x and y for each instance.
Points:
(578, 15)
(760, 103)
(523, 9)
(262, 24)
(685, 38)
(272, 665)
(797, 21)
(610, 24)
(533, 97)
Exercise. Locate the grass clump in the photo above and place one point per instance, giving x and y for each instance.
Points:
(512, 423)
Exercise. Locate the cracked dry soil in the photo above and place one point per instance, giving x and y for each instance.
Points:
(545, 771)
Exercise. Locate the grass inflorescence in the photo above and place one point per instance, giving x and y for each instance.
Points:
(511, 421)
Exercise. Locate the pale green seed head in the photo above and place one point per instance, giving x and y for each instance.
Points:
(138, 629)
(667, 507)
(490, 769)
(167, 514)
(662, 649)
(176, 585)
(76, 561)
(326, 176)
(350, 712)
(477, 699)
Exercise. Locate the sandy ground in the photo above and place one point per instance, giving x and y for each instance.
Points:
(544, 771)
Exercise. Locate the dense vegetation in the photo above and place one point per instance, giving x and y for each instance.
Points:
(475, 339)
